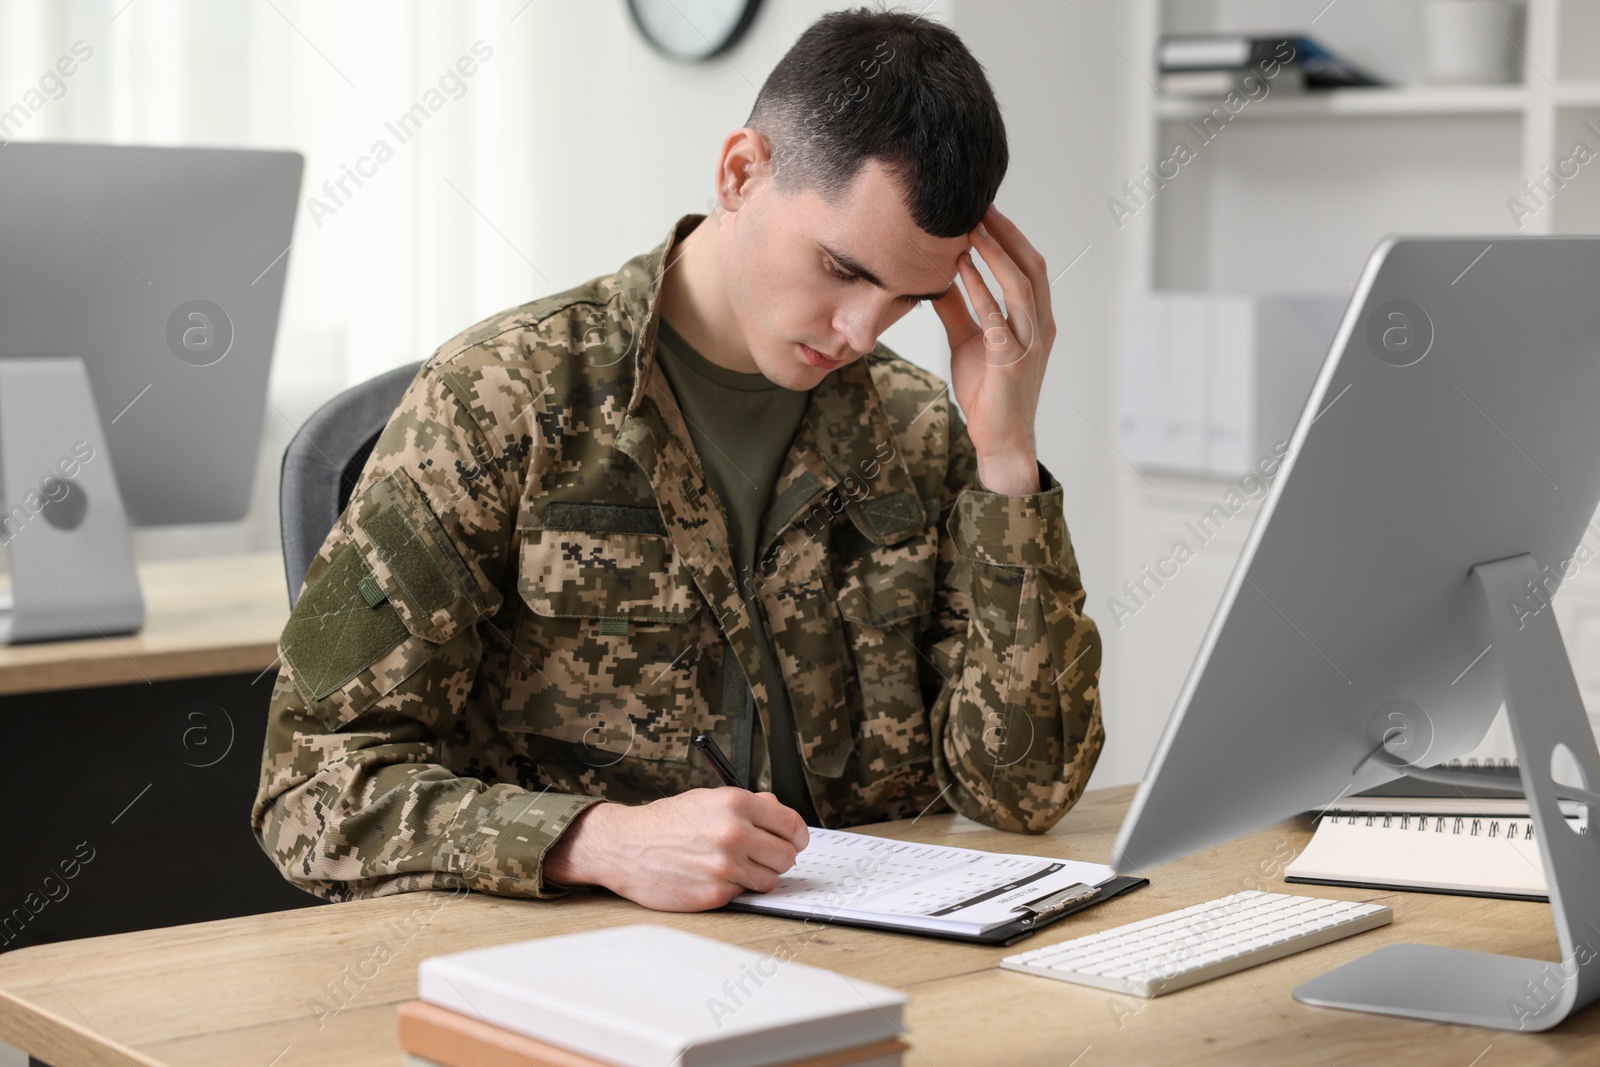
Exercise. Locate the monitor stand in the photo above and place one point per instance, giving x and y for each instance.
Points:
(61, 517)
(1477, 988)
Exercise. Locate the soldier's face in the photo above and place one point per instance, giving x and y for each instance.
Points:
(813, 282)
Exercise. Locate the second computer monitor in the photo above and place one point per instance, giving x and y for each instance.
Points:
(1455, 421)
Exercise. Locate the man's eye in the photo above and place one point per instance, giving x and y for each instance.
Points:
(835, 272)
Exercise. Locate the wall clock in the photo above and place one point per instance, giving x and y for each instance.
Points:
(693, 30)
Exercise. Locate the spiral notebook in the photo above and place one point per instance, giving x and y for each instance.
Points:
(1472, 854)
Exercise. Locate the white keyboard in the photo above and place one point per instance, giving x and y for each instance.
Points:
(1183, 948)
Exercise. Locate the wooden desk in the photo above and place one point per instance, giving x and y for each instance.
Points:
(246, 991)
(203, 617)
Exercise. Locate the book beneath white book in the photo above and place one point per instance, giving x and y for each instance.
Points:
(651, 996)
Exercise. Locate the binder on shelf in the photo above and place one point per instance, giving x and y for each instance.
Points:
(1186, 355)
(1231, 392)
(1209, 382)
(1219, 83)
(1139, 421)
(1238, 55)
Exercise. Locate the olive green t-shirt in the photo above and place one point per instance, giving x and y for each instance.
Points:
(742, 426)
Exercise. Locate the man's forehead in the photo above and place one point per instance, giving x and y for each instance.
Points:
(896, 256)
(870, 223)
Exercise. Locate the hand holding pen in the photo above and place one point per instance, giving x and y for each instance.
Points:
(692, 851)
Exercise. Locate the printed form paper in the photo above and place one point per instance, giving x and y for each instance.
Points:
(916, 886)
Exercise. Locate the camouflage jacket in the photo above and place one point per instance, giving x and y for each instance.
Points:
(526, 607)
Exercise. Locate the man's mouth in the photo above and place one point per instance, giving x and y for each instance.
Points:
(821, 359)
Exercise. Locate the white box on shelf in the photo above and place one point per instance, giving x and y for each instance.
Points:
(1208, 382)
(1293, 335)
(1139, 423)
(1230, 436)
(1185, 369)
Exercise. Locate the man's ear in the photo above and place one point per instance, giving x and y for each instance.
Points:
(744, 166)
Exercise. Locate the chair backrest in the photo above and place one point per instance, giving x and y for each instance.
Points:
(323, 463)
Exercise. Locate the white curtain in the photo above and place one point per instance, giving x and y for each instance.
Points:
(569, 147)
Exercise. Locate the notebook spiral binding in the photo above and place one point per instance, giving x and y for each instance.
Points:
(1507, 827)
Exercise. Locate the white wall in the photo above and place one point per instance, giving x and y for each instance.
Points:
(571, 149)
(1066, 76)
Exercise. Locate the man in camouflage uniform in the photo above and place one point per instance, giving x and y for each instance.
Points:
(531, 604)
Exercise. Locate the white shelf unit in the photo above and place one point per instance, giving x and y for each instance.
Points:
(1293, 194)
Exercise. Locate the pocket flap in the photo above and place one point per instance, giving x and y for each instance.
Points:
(882, 594)
(617, 575)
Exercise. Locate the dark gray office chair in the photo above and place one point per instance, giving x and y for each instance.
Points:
(323, 463)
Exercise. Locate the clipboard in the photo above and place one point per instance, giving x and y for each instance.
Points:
(1038, 914)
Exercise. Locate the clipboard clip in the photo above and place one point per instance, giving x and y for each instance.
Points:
(1053, 904)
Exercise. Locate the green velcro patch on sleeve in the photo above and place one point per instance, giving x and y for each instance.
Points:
(614, 627)
(408, 558)
(603, 518)
(333, 634)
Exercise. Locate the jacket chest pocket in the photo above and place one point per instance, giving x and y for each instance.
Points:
(886, 601)
(607, 656)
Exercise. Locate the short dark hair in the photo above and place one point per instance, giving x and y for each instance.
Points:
(890, 86)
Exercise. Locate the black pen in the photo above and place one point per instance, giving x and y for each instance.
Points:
(719, 763)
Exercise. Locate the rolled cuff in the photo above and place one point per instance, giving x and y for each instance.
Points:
(1029, 530)
(509, 847)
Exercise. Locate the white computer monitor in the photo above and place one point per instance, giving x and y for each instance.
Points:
(140, 289)
(1395, 590)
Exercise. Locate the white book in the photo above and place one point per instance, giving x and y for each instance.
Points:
(652, 996)
(1209, 50)
(1207, 83)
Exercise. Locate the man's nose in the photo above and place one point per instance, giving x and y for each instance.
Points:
(858, 324)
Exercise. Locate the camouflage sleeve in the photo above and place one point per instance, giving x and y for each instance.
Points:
(378, 657)
(1016, 725)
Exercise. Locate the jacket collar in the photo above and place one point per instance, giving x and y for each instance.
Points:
(844, 442)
